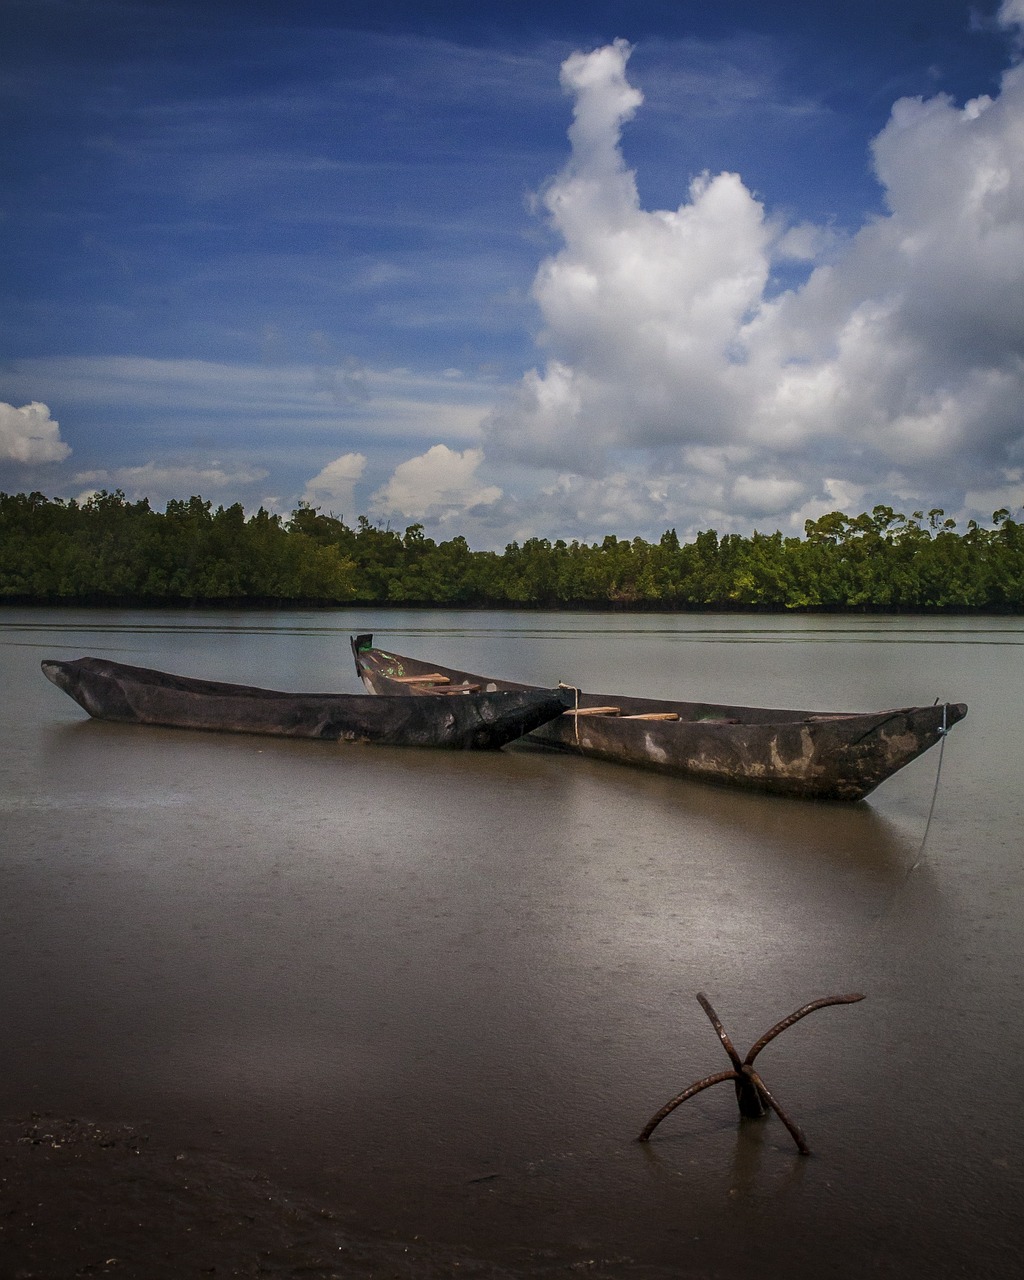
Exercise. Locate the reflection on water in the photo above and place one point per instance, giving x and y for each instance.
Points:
(448, 990)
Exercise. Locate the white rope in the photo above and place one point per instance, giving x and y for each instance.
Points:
(887, 915)
(576, 707)
(943, 732)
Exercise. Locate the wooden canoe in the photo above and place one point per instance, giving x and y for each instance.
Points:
(813, 754)
(137, 695)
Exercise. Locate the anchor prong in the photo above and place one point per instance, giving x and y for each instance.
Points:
(752, 1094)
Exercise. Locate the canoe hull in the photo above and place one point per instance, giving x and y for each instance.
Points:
(810, 754)
(138, 695)
(840, 760)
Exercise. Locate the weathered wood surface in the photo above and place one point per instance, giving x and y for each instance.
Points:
(138, 695)
(811, 754)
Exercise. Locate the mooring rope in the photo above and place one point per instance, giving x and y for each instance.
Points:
(576, 707)
(943, 733)
(885, 919)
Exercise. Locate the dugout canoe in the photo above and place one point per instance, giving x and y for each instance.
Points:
(138, 695)
(820, 755)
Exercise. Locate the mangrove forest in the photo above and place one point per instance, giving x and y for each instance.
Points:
(108, 550)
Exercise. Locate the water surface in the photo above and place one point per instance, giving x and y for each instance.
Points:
(446, 991)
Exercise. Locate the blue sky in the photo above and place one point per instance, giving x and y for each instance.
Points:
(556, 269)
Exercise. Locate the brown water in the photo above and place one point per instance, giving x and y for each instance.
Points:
(447, 991)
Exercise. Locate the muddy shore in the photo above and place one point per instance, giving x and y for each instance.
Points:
(79, 1198)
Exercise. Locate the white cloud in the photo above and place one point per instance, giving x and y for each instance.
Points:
(898, 367)
(336, 482)
(1011, 13)
(440, 483)
(160, 483)
(640, 309)
(765, 495)
(981, 503)
(29, 434)
(413, 405)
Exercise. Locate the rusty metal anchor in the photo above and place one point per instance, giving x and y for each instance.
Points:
(752, 1094)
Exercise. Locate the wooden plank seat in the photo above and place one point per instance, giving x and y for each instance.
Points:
(434, 678)
(592, 711)
(654, 715)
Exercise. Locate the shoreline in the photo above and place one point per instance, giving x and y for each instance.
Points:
(87, 1199)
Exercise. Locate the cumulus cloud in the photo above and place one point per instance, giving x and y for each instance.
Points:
(896, 366)
(439, 484)
(29, 434)
(335, 484)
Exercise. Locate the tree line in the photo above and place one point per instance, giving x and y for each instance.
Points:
(108, 550)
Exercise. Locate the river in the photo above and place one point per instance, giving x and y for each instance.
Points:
(445, 991)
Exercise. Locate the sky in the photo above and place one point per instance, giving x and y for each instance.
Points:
(556, 269)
